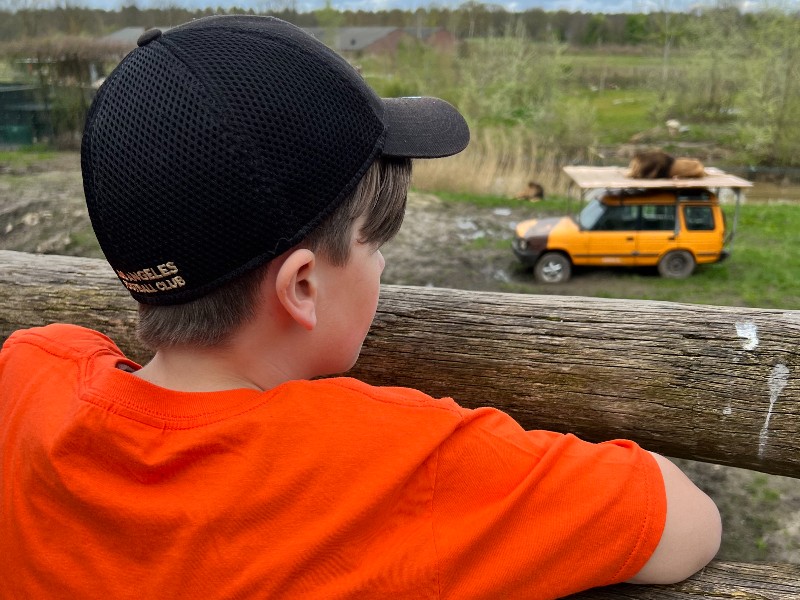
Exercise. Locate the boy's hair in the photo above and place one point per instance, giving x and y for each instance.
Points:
(210, 320)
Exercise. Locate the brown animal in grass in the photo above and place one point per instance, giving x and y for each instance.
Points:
(656, 164)
(532, 192)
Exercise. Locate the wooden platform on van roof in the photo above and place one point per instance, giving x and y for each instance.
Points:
(616, 178)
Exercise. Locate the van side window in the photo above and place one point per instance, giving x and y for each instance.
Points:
(658, 217)
(618, 218)
(698, 218)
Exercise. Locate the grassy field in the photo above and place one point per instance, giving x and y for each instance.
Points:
(762, 272)
(25, 157)
(623, 89)
(620, 114)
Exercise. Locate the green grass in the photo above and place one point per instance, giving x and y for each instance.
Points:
(765, 265)
(83, 243)
(621, 113)
(488, 243)
(762, 272)
(552, 205)
(474, 199)
(27, 155)
(612, 62)
(7, 72)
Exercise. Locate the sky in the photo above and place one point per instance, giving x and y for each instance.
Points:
(587, 6)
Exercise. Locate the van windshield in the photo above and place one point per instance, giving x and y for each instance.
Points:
(590, 214)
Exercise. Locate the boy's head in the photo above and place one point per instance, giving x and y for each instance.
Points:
(379, 202)
(221, 144)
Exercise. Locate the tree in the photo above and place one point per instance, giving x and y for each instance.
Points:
(596, 30)
(636, 30)
(30, 14)
(769, 123)
(328, 17)
(706, 82)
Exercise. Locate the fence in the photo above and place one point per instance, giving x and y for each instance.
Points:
(715, 384)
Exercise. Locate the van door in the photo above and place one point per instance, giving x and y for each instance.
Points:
(702, 231)
(612, 240)
(657, 233)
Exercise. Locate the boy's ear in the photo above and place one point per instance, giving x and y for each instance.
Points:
(296, 287)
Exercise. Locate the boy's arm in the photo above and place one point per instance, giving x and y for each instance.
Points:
(692, 530)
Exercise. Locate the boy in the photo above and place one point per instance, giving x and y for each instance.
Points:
(241, 178)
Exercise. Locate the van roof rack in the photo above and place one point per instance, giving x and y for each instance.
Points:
(616, 178)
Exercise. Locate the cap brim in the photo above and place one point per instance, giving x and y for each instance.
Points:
(423, 128)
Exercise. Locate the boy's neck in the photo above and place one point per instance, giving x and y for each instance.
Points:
(209, 370)
(197, 372)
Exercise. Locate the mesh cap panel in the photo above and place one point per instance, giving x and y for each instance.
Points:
(217, 146)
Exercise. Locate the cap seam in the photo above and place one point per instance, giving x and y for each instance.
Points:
(216, 102)
(306, 52)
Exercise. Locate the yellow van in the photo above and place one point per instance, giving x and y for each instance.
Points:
(669, 224)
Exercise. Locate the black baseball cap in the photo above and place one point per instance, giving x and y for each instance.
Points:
(217, 145)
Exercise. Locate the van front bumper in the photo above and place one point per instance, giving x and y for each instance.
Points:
(527, 251)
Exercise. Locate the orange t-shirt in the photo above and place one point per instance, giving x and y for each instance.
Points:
(112, 487)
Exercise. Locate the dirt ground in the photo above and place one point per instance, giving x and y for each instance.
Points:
(444, 245)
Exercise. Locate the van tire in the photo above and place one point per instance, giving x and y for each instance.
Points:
(677, 264)
(552, 267)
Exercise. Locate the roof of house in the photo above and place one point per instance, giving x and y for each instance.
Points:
(338, 38)
(616, 178)
(422, 33)
(350, 38)
(53, 50)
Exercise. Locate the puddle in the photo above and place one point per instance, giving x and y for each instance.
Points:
(465, 224)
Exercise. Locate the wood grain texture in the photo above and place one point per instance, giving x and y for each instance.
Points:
(717, 384)
(719, 580)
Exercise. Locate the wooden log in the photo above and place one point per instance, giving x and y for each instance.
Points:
(719, 580)
(711, 383)
(716, 384)
(37, 289)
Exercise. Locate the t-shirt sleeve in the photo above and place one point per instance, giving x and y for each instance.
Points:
(538, 514)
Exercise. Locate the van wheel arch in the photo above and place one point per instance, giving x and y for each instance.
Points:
(553, 267)
(677, 264)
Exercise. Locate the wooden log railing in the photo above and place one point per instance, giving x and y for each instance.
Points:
(709, 383)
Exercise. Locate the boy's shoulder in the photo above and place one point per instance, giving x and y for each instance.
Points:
(61, 340)
(402, 398)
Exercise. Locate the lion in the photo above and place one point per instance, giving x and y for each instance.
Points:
(533, 192)
(657, 164)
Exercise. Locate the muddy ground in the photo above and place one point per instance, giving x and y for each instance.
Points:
(444, 245)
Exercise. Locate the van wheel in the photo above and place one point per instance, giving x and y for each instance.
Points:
(552, 267)
(676, 264)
